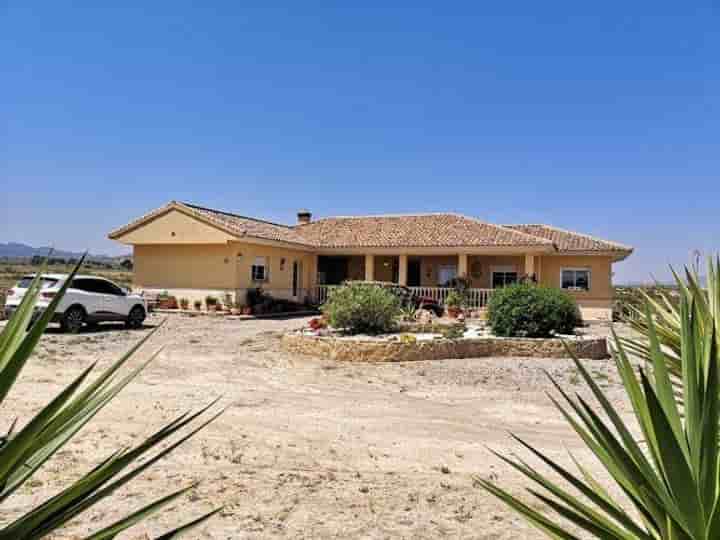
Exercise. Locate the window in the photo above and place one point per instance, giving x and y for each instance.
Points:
(98, 286)
(502, 278)
(446, 274)
(575, 279)
(45, 283)
(259, 270)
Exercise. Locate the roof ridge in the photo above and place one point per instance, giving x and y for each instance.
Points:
(588, 236)
(368, 216)
(251, 218)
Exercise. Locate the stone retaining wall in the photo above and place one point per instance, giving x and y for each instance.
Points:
(366, 350)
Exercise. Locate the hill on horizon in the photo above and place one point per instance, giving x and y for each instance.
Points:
(16, 250)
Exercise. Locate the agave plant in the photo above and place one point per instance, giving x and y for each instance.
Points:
(24, 451)
(670, 480)
(665, 312)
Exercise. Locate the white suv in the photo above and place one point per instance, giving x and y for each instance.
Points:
(88, 300)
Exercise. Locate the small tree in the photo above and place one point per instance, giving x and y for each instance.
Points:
(362, 308)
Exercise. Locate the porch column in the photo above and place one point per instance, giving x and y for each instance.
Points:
(463, 265)
(402, 269)
(369, 267)
(529, 265)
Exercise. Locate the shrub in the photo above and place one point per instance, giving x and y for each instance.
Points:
(255, 296)
(455, 331)
(454, 299)
(527, 310)
(362, 308)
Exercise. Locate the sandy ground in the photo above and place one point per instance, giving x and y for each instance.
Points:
(308, 448)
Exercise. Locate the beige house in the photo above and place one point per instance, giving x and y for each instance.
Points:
(191, 251)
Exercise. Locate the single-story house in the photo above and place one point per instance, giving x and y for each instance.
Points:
(191, 251)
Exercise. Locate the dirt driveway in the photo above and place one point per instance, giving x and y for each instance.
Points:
(308, 448)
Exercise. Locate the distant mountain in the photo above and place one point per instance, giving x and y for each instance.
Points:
(14, 250)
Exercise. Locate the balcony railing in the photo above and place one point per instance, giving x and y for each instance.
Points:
(477, 298)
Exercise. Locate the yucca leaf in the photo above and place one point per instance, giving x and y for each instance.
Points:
(543, 523)
(136, 517)
(678, 475)
(176, 533)
(20, 346)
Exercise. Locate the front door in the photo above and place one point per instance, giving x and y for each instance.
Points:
(297, 280)
(413, 273)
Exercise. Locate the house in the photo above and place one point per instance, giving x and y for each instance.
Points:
(192, 251)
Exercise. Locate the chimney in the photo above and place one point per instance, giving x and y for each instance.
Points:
(304, 216)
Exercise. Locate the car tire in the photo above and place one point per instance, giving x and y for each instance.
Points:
(73, 319)
(136, 317)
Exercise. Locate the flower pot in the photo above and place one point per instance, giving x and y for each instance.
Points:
(235, 311)
(247, 311)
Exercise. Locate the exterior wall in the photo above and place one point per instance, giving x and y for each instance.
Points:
(429, 266)
(197, 266)
(175, 227)
(195, 270)
(595, 303)
(480, 268)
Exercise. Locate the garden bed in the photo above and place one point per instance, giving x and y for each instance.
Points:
(398, 348)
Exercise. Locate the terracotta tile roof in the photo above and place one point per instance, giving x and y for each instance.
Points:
(231, 223)
(248, 226)
(569, 240)
(420, 230)
(391, 231)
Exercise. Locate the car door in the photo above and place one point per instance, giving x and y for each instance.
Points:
(82, 291)
(113, 300)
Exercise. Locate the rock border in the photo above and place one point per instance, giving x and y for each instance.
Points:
(365, 350)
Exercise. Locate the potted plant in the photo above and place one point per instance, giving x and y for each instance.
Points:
(246, 310)
(228, 302)
(236, 308)
(184, 303)
(163, 300)
(211, 302)
(453, 303)
(198, 305)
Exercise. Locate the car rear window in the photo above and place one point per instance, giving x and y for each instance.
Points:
(45, 283)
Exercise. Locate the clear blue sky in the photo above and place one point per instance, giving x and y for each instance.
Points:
(597, 116)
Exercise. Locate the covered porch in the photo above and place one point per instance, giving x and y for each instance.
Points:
(428, 275)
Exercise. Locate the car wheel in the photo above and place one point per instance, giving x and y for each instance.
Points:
(136, 317)
(73, 320)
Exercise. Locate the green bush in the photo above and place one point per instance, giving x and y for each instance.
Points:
(527, 310)
(362, 308)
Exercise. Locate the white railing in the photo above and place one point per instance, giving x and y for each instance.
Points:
(477, 298)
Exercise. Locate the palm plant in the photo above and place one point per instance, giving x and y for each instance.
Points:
(671, 479)
(23, 452)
